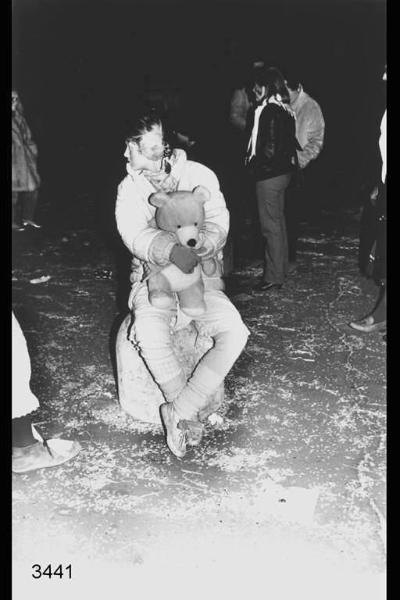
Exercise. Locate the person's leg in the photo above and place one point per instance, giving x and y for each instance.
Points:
(29, 452)
(152, 330)
(379, 312)
(180, 417)
(293, 214)
(270, 230)
(29, 204)
(292, 217)
(270, 199)
(376, 320)
(23, 400)
(224, 324)
(15, 210)
(285, 247)
(21, 432)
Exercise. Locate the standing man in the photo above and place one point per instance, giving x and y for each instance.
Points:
(310, 129)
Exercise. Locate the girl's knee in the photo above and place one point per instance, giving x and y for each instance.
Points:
(151, 330)
(235, 332)
(241, 333)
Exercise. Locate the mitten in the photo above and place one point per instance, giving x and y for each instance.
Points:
(184, 258)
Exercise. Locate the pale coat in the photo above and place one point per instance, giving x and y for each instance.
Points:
(135, 217)
(310, 127)
(25, 177)
(239, 108)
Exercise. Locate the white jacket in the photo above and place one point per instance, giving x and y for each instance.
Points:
(135, 215)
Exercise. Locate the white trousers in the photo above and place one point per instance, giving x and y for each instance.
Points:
(23, 400)
(152, 332)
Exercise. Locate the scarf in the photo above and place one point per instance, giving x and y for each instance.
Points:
(251, 148)
(163, 180)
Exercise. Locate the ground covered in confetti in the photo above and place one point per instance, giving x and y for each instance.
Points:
(285, 498)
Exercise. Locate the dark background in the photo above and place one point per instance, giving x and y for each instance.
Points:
(80, 66)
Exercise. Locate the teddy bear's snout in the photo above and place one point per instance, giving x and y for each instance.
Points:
(192, 242)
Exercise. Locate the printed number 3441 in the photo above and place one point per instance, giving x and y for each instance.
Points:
(48, 571)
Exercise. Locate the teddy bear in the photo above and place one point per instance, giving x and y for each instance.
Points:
(181, 213)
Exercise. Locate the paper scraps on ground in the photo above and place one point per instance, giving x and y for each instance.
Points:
(42, 279)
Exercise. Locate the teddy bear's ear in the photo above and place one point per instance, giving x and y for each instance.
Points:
(202, 193)
(158, 199)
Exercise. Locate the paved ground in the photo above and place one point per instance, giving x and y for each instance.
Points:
(284, 499)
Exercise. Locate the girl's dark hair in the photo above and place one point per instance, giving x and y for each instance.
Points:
(142, 124)
(273, 80)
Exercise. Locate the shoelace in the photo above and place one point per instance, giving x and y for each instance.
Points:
(45, 444)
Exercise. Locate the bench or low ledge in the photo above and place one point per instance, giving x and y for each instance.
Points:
(138, 393)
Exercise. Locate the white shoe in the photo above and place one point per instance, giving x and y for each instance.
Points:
(176, 439)
(32, 224)
(51, 453)
(368, 324)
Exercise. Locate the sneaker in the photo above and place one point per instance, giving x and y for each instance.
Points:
(368, 324)
(50, 453)
(32, 224)
(176, 439)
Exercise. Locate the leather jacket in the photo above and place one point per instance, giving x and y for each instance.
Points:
(276, 144)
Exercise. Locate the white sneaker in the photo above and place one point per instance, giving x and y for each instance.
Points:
(176, 439)
(32, 224)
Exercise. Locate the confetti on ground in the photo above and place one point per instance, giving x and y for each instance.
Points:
(41, 279)
(296, 451)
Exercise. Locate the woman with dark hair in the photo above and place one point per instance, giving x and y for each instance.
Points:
(271, 158)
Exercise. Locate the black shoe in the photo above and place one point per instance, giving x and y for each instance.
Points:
(266, 286)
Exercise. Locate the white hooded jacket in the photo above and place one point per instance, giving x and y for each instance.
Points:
(135, 216)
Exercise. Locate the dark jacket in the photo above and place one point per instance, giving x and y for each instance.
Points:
(276, 144)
